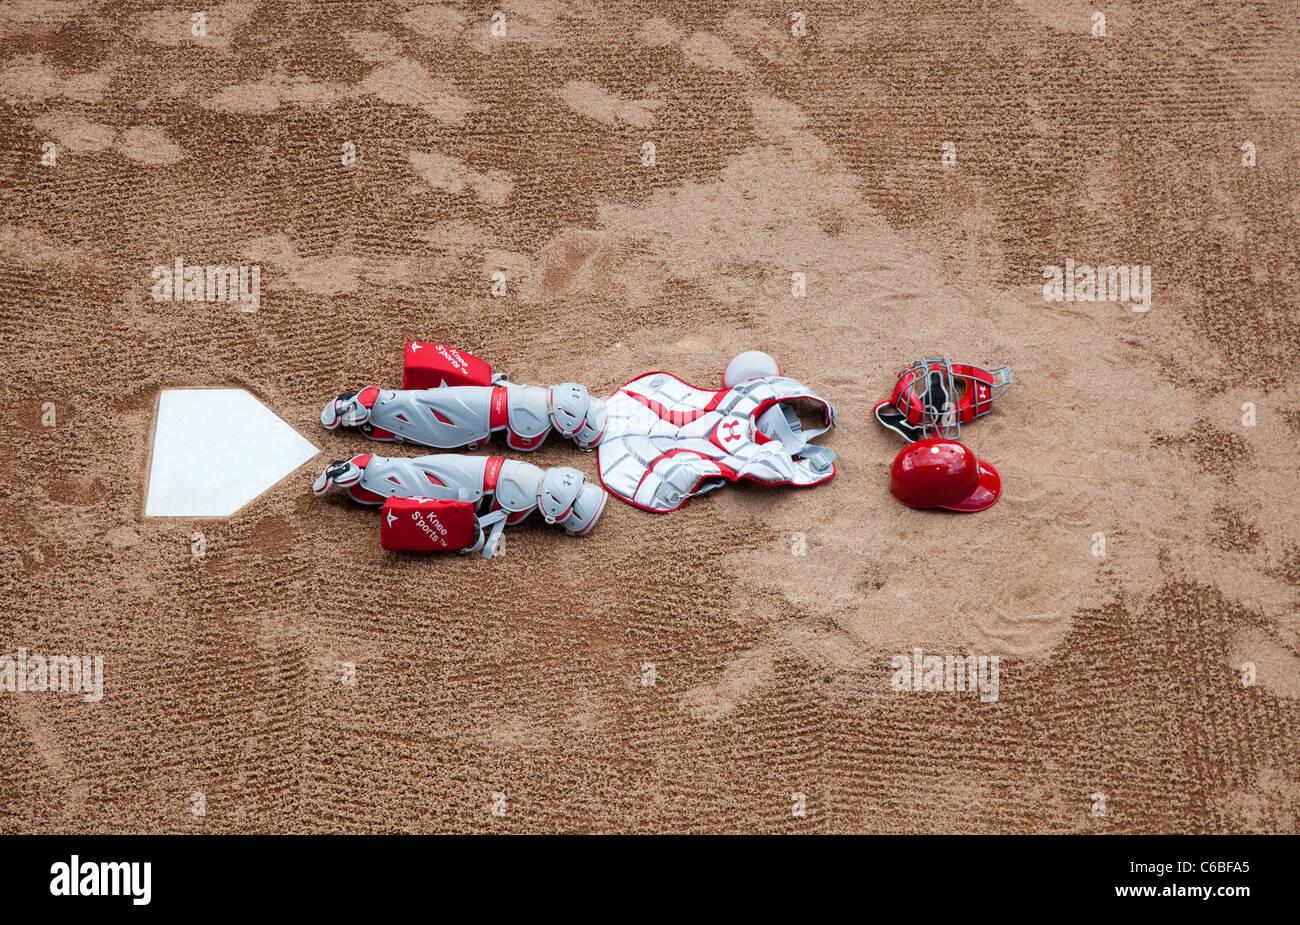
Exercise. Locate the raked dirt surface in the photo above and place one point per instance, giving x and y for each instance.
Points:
(1139, 579)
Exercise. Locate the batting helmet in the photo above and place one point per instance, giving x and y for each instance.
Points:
(945, 474)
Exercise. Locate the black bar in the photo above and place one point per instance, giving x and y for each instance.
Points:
(337, 873)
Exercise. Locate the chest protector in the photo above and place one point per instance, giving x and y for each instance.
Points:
(666, 440)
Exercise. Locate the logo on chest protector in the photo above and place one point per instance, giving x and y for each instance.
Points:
(729, 434)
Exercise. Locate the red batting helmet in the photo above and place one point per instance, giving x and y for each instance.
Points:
(943, 473)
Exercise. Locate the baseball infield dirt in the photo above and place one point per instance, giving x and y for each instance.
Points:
(727, 667)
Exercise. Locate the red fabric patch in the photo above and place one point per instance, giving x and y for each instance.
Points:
(430, 366)
(365, 495)
(499, 414)
(678, 418)
(525, 443)
(492, 473)
(426, 525)
(729, 435)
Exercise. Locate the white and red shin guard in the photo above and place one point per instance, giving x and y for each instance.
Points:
(462, 503)
(451, 399)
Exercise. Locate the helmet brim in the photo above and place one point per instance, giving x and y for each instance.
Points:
(985, 494)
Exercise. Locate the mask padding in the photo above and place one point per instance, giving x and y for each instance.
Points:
(893, 419)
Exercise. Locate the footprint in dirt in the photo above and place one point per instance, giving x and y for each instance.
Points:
(82, 492)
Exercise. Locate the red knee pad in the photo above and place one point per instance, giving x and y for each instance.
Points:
(427, 525)
(431, 366)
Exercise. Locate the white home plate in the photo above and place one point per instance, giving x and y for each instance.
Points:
(214, 450)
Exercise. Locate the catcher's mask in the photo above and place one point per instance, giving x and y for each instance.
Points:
(935, 396)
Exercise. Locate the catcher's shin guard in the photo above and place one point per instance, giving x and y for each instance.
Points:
(451, 399)
(503, 491)
(465, 416)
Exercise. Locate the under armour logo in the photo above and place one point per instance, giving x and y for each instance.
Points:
(729, 431)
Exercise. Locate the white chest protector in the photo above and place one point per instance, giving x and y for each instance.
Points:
(666, 440)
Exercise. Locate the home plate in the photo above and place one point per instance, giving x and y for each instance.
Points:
(215, 450)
